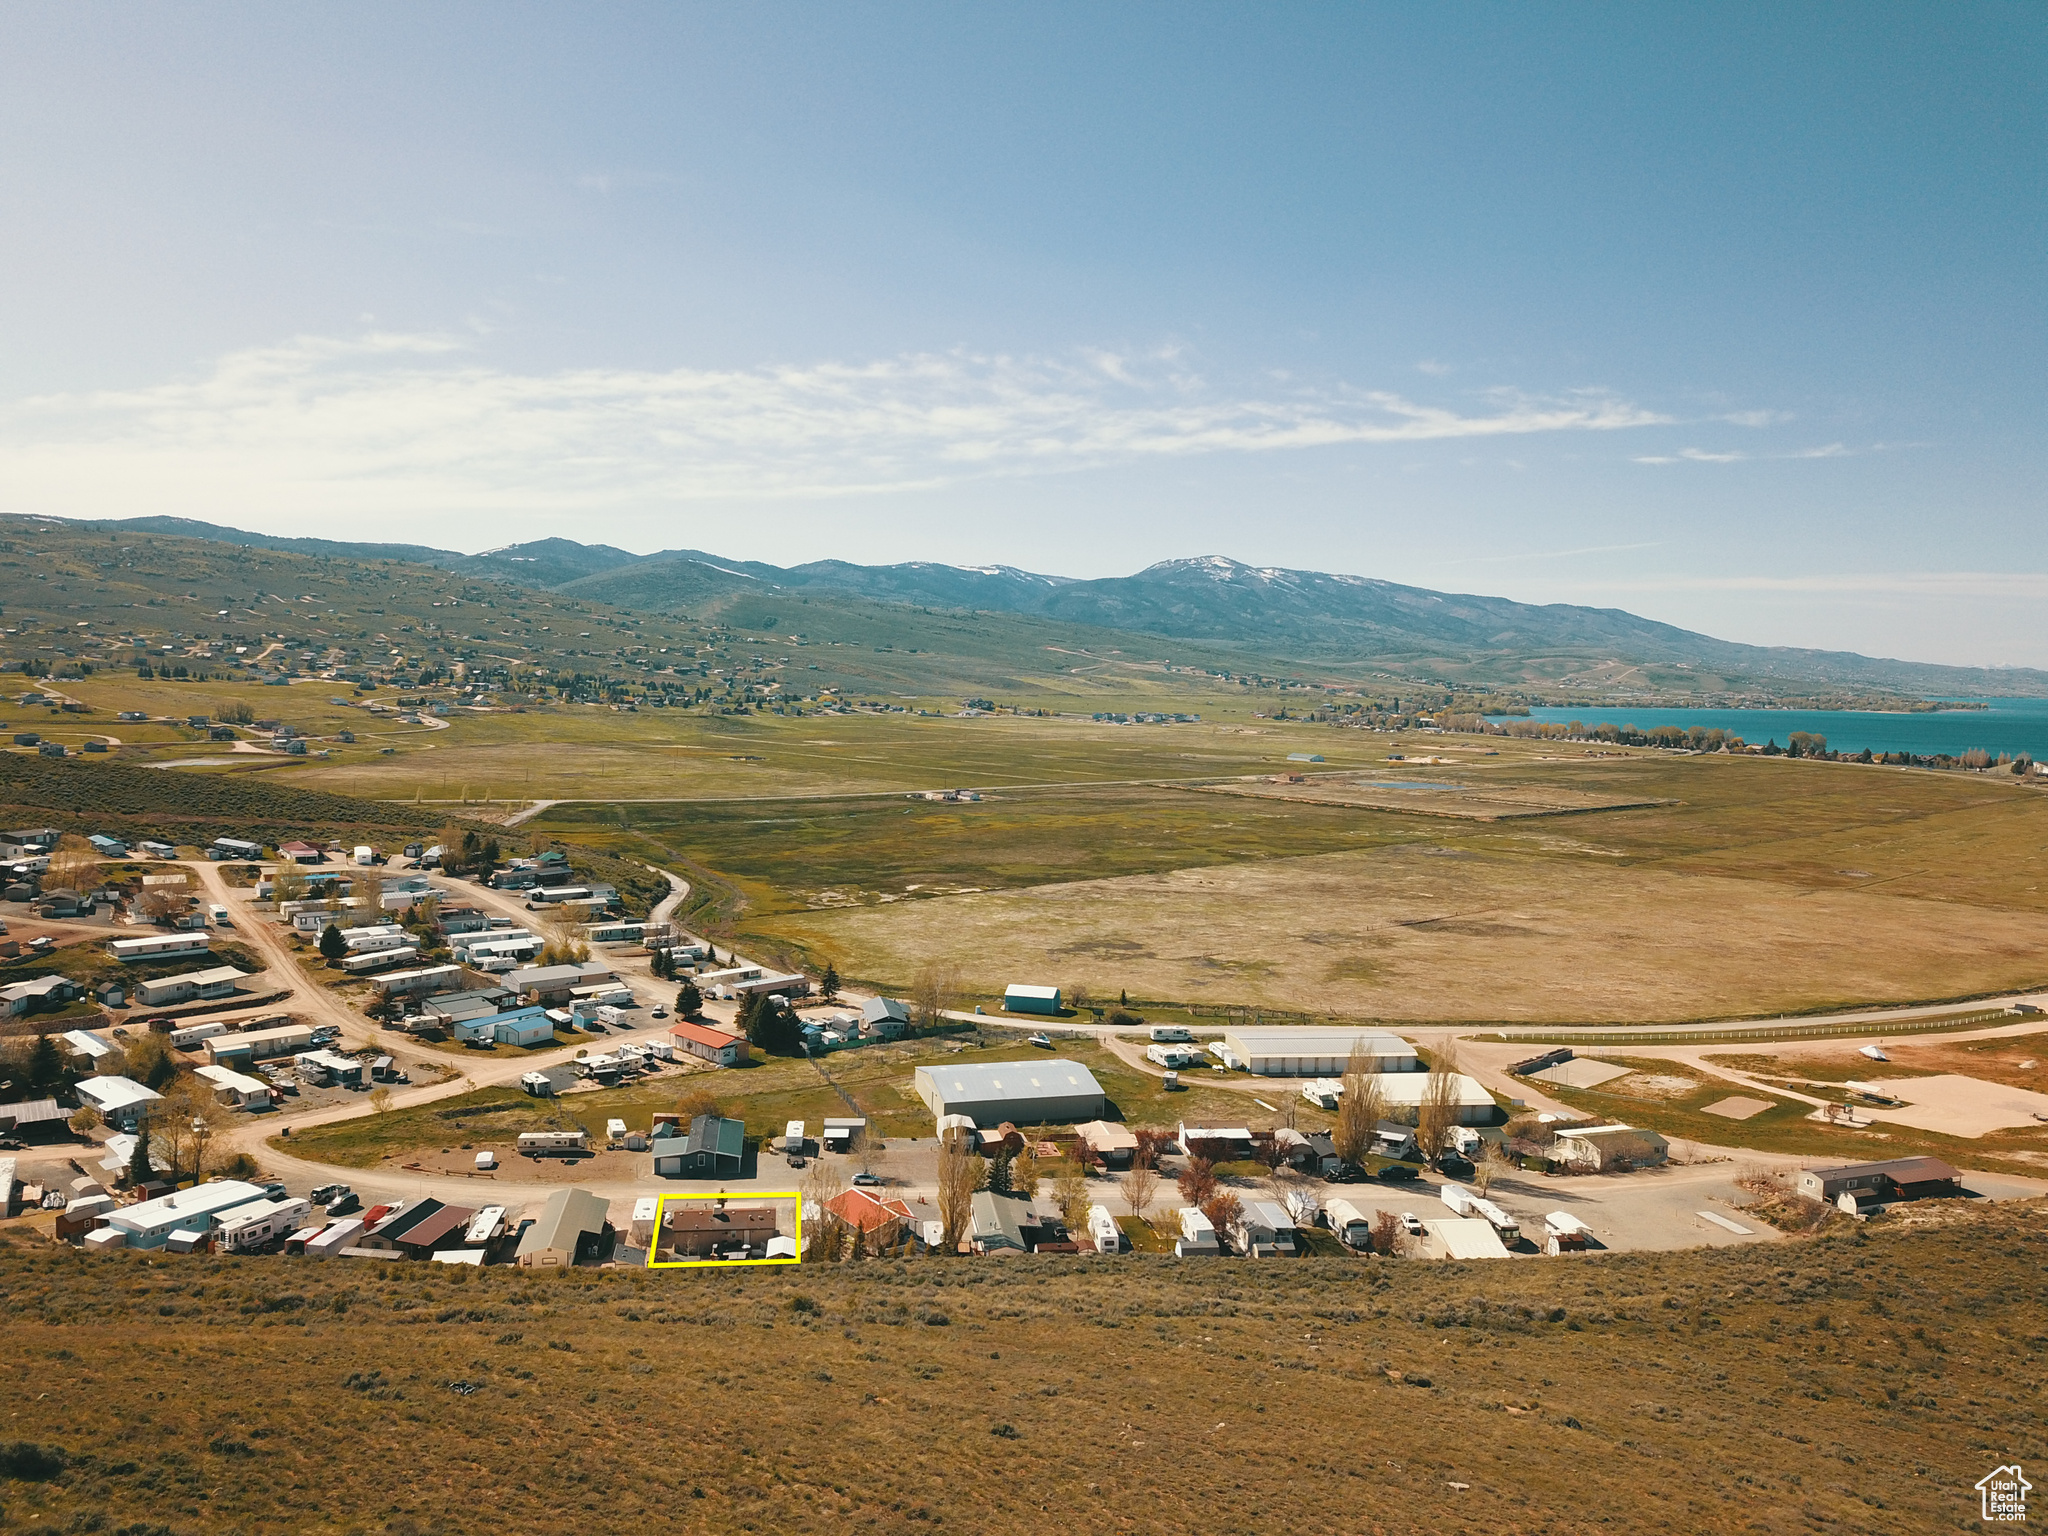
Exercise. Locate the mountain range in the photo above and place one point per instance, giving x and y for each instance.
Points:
(1313, 616)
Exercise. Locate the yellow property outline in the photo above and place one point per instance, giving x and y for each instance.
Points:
(654, 1246)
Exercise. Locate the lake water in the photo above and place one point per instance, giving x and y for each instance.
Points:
(2003, 725)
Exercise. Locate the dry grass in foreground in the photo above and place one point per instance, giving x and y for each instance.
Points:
(1859, 1382)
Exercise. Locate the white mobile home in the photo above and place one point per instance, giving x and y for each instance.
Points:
(159, 946)
(419, 983)
(188, 1210)
(192, 1034)
(372, 960)
(120, 1102)
(235, 1089)
(1197, 1235)
(259, 1044)
(216, 982)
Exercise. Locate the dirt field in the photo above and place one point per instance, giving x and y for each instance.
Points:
(1737, 1108)
(1960, 1106)
(1421, 932)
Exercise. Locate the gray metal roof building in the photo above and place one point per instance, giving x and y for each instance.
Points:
(713, 1146)
(1021, 1092)
(571, 1226)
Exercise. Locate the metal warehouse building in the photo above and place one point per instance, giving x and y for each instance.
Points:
(1021, 1092)
(1318, 1052)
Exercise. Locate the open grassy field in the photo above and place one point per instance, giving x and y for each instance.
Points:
(1749, 887)
(1859, 1383)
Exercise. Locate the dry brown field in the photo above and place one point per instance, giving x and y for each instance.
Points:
(1858, 1383)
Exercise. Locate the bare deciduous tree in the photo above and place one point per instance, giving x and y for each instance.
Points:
(1387, 1236)
(1070, 1188)
(936, 989)
(1024, 1172)
(960, 1174)
(182, 1125)
(73, 865)
(289, 883)
(566, 944)
(1359, 1108)
(1439, 1109)
(1140, 1188)
(158, 905)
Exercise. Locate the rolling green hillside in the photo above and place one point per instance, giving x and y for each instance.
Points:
(974, 627)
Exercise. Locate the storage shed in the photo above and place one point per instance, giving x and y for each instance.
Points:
(1023, 999)
(1302, 1052)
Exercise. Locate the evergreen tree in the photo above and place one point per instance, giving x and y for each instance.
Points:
(999, 1171)
(332, 945)
(139, 1170)
(828, 984)
(689, 1001)
(770, 1029)
(45, 1066)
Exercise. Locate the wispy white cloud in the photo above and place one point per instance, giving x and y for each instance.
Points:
(1733, 456)
(392, 421)
(1984, 584)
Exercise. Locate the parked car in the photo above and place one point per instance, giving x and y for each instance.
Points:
(327, 1194)
(276, 1191)
(1411, 1224)
(1345, 1175)
(867, 1178)
(659, 1013)
(797, 1160)
(344, 1204)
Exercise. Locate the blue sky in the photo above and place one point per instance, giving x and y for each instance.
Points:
(1730, 315)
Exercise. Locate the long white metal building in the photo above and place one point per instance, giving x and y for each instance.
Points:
(1284, 1051)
